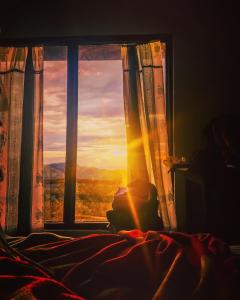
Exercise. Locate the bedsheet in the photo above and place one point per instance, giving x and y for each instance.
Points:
(128, 265)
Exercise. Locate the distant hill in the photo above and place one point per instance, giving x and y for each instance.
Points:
(56, 170)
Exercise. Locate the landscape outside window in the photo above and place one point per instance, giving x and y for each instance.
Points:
(101, 150)
(54, 131)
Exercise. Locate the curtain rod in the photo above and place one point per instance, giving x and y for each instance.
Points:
(90, 40)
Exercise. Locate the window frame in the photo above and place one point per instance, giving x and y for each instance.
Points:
(72, 44)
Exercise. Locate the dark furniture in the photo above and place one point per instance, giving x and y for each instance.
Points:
(213, 206)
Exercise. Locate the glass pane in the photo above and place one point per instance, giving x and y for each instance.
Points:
(101, 159)
(54, 131)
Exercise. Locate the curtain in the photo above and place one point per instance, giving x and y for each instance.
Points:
(136, 159)
(12, 67)
(149, 84)
(3, 148)
(37, 176)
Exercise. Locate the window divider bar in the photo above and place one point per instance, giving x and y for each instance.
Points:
(71, 138)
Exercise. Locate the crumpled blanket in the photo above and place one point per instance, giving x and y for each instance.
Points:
(124, 266)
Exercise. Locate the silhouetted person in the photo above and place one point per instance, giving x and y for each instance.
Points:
(218, 164)
(135, 207)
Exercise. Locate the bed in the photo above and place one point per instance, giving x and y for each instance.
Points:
(156, 265)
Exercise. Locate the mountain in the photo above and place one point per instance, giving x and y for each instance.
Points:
(56, 170)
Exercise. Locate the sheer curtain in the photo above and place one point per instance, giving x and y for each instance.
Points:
(12, 68)
(37, 176)
(144, 92)
(136, 159)
(12, 71)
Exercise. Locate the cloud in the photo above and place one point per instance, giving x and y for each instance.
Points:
(54, 145)
(52, 113)
(103, 157)
(53, 157)
(101, 123)
(101, 127)
(100, 91)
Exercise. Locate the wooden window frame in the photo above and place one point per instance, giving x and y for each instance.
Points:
(73, 44)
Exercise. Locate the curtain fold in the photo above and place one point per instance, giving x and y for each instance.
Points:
(12, 68)
(149, 84)
(137, 166)
(12, 75)
(37, 222)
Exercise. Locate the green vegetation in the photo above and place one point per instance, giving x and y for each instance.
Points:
(93, 199)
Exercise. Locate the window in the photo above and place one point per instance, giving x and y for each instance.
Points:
(54, 137)
(84, 126)
(100, 148)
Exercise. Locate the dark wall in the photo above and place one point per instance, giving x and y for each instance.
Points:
(204, 38)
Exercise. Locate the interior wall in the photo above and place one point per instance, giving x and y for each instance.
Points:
(204, 47)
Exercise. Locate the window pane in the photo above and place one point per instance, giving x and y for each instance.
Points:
(101, 159)
(54, 131)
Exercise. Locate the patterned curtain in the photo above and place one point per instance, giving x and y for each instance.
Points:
(37, 176)
(12, 68)
(151, 103)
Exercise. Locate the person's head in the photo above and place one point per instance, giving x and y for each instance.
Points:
(142, 190)
(223, 133)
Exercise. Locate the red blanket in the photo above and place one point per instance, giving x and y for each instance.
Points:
(124, 266)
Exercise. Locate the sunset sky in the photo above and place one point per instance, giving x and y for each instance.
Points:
(101, 124)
